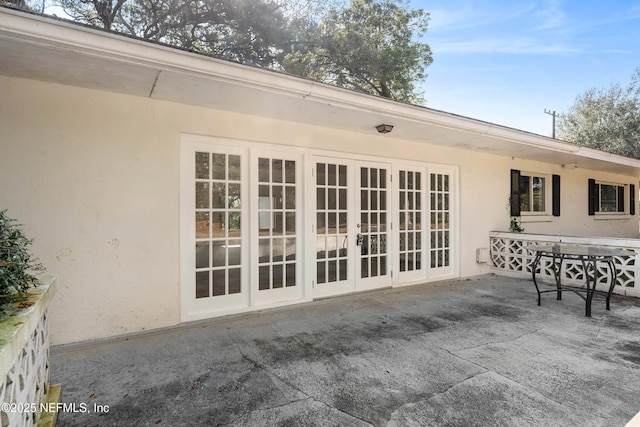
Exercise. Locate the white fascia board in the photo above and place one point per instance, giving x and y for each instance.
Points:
(61, 34)
(70, 36)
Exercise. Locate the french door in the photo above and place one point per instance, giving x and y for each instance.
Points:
(262, 226)
(351, 225)
(372, 203)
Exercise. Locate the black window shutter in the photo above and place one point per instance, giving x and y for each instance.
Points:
(632, 199)
(555, 203)
(593, 196)
(515, 192)
(620, 198)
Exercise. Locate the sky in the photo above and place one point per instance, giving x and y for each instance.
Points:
(507, 61)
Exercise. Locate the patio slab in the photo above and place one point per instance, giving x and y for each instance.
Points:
(458, 353)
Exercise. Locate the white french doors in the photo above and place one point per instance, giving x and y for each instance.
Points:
(265, 226)
(351, 225)
(241, 221)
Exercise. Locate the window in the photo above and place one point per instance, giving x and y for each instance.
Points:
(606, 198)
(534, 194)
(609, 200)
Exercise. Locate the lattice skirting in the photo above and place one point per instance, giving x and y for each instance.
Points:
(512, 256)
(25, 386)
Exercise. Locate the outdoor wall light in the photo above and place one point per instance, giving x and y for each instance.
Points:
(384, 128)
(570, 166)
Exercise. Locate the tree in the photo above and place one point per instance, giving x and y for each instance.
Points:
(19, 4)
(369, 46)
(99, 13)
(606, 119)
(246, 31)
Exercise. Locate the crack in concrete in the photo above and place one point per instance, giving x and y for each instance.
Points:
(497, 342)
(287, 383)
(244, 414)
(434, 395)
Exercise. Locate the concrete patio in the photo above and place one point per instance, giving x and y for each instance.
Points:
(459, 353)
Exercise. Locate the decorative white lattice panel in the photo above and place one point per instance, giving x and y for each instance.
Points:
(27, 382)
(509, 254)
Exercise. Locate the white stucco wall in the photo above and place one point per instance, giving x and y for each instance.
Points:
(94, 177)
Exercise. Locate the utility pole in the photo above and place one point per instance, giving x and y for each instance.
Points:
(552, 113)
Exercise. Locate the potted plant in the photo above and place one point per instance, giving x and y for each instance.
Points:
(17, 264)
(514, 225)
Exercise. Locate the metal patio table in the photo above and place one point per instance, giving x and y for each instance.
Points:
(589, 256)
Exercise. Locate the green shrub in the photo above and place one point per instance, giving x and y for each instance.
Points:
(17, 264)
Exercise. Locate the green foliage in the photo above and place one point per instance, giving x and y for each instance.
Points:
(606, 119)
(365, 45)
(515, 226)
(17, 264)
(20, 4)
(369, 46)
(99, 13)
(245, 31)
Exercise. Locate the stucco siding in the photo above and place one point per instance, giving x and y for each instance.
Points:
(94, 177)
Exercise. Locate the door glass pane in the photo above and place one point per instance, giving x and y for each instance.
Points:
(276, 170)
(343, 269)
(278, 276)
(291, 275)
(202, 195)
(290, 197)
(234, 168)
(364, 268)
(333, 273)
(234, 281)
(364, 200)
(290, 171)
(321, 198)
(202, 254)
(320, 169)
(218, 195)
(202, 284)
(263, 170)
(321, 276)
(331, 175)
(364, 177)
(219, 283)
(342, 176)
(234, 196)
(218, 169)
(202, 165)
(202, 225)
(233, 251)
(264, 277)
(219, 256)
(374, 178)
